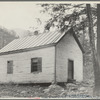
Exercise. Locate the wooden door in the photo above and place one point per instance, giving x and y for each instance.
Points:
(70, 69)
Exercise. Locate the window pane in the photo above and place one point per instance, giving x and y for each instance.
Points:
(36, 64)
(35, 60)
(40, 64)
(35, 68)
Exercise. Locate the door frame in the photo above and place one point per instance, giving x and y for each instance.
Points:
(68, 69)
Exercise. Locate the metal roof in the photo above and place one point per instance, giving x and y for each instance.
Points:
(33, 41)
(39, 40)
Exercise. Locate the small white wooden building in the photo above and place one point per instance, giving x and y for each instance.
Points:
(42, 58)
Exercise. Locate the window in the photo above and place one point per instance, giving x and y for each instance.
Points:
(10, 67)
(36, 65)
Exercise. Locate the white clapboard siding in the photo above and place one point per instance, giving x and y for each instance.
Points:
(66, 49)
(22, 66)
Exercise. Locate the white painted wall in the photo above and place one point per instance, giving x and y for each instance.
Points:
(66, 49)
(22, 66)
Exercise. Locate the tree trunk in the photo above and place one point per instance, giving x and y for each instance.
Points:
(96, 90)
(83, 36)
(98, 32)
(97, 83)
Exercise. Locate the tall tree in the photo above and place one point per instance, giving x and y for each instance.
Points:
(95, 52)
(97, 67)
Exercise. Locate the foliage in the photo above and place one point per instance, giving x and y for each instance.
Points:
(68, 15)
(6, 36)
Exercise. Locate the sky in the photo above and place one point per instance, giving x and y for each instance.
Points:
(20, 15)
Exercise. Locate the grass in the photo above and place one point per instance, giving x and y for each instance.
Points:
(32, 91)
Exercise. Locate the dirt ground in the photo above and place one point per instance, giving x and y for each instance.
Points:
(69, 90)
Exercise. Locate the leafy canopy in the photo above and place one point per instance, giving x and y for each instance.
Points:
(68, 15)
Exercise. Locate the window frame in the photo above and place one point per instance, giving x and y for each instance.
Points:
(71, 60)
(39, 64)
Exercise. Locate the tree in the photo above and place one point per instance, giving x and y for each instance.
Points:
(6, 36)
(97, 56)
(69, 15)
(95, 51)
(60, 18)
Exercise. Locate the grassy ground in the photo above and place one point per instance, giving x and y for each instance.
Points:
(21, 91)
(69, 90)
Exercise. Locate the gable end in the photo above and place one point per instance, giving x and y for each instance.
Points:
(75, 37)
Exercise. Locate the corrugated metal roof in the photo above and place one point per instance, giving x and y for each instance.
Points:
(33, 41)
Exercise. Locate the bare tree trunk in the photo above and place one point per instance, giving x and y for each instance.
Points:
(97, 80)
(96, 91)
(83, 36)
(98, 32)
